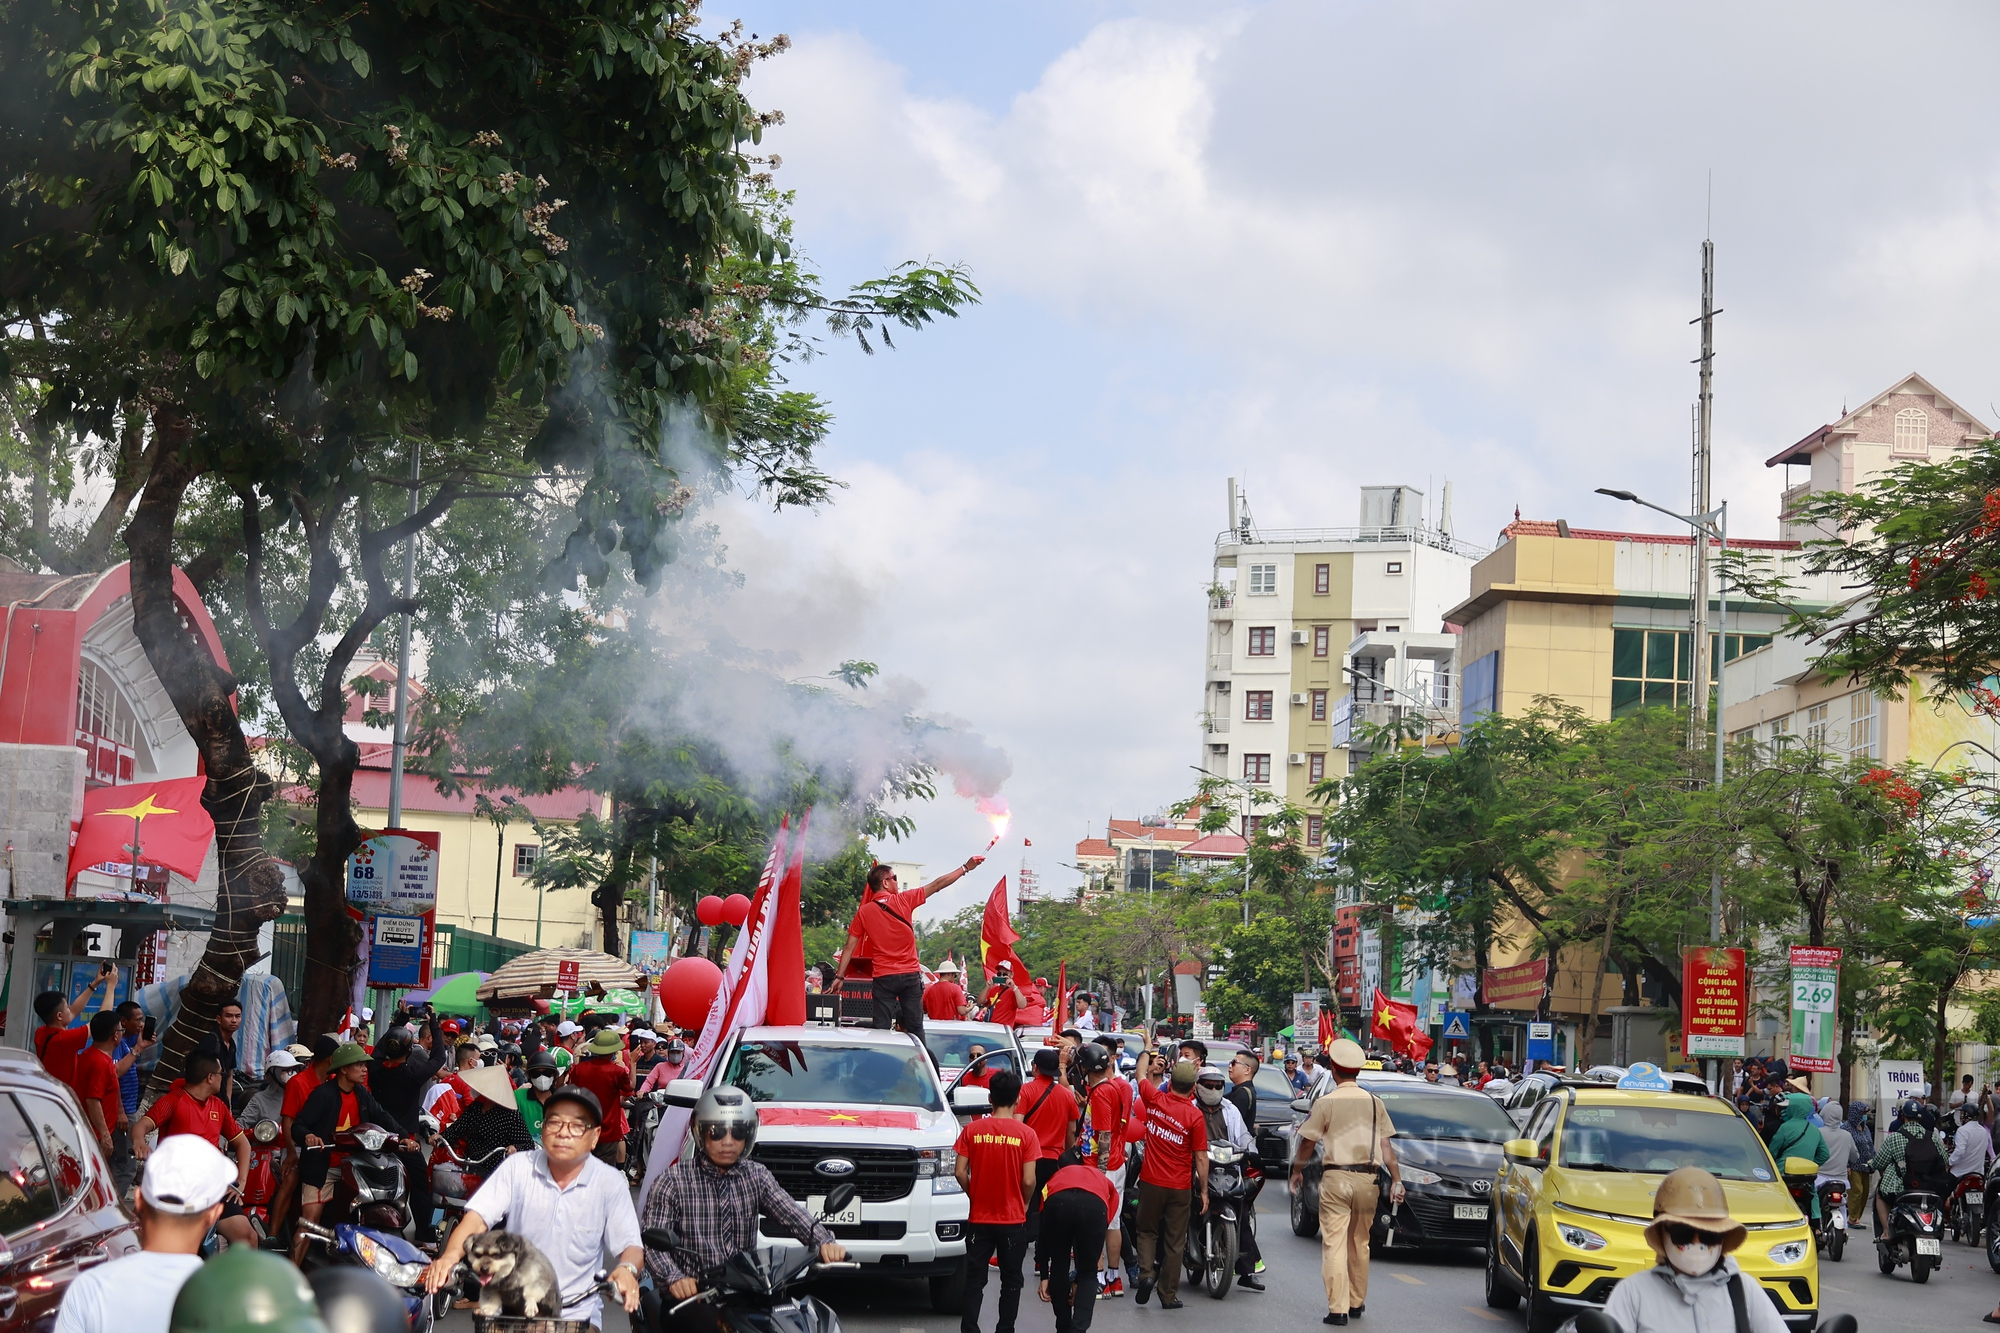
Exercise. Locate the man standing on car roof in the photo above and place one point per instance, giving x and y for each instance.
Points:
(884, 928)
(1355, 1128)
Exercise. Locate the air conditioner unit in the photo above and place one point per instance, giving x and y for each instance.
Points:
(1298, 637)
(1298, 701)
(1296, 760)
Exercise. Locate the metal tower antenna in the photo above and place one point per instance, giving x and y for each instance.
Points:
(1704, 470)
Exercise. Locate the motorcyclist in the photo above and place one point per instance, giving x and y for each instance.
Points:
(1917, 1123)
(713, 1199)
(269, 1099)
(1797, 1136)
(529, 1100)
(1689, 1289)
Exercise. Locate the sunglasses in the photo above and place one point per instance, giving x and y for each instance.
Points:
(717, 1133)
(1681, 1236)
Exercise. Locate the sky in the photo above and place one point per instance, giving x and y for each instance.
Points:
(1318, 246)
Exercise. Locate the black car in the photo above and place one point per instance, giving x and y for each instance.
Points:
(1448, 1143)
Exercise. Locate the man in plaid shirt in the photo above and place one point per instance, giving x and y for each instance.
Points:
(712, 1202)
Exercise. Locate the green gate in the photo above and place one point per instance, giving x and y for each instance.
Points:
(455, 950)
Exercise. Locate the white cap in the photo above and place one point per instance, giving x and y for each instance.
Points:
(646, 1034)
(567, 1029)
(282, 1059)
(186, 1175)
(367, 1014)
(486, 1042)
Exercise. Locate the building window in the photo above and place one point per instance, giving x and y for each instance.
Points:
(1482, 688)
(1322, 640)
(1781, 730)
(1257, 769)
(1257, 705)
(1315, 830)
(1319, 705)
(1263, 641)
(1392, 629)
(1861, 724)
(1316, 767)
(1251, 823)
(1652, 668)
(527, 855)
(1263, 580)
(1913, 431)
(1395, 567)
(1322, 580)
(1816, 726)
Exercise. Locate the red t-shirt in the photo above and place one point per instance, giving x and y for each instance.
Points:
(611, 1082)
(1175, 1132)
(97, 1077)
(59, 1047)
(1110, 1112)
(882, 924)
(350, 1113)
(942, 999)
(995, 1151)
(1007, 1010)
(1083, 1178)
(178, 1113)
(297, 1091)
(1047, 1107)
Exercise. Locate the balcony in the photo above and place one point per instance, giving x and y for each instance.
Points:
(1220, 664)
(1215, 723)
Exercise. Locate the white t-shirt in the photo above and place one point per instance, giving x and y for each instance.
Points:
(130, 1295)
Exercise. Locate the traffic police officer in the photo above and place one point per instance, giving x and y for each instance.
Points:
(1355, 1129)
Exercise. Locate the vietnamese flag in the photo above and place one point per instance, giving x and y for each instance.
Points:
(1326, 1032)
(164, 819)
(997, 937)
(1396, 1023)
(785, 1005)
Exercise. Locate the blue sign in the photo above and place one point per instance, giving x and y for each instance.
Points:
(1457, 1025)
(1542, 1042)
(1646, 1078)
(396, 954)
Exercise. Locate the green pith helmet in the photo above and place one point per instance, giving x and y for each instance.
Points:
(246, 1291)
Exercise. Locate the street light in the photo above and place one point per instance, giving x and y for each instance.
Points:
(1715, 523)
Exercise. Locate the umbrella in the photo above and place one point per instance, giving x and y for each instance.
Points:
(614, 1002)
(456, 994)
(533, 975)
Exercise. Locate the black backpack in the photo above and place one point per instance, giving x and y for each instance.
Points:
(1923, 1165)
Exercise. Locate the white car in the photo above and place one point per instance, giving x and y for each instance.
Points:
(858, 1105)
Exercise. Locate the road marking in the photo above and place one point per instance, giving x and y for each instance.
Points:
(1482, 1313)
(1840, 1291)
(1405, 1277)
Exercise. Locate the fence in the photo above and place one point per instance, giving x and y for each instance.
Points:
(456, 949)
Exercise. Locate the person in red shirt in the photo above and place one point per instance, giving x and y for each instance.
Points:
(1110, 1102)
(58, 1044)
(1176, 1143)
(996, 1169)
(610, 1081)
(1050, 1109)
(96, 1081)
(1078, 1205)
(884, 928)
(979, 1071)
(1011, 1004)
(296, 1092)
(944, 999)
(194, 1105)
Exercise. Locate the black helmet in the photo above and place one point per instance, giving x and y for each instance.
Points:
(357, 1300)
(541, 1060)
(675, 1051)
(1092, 1058)
(729, 1107)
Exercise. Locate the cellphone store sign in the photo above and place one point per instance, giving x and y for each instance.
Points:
(1715, 1001)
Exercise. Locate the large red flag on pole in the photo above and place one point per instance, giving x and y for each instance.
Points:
(786, 1005)
(1396, 1023)
(165, 820)
(996, 935)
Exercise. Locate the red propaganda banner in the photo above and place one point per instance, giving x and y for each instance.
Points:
(819, 1117)
(1517, 987)
(1715, 1002)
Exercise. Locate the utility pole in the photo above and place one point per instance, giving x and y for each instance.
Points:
(401, 741)
(1704, 416)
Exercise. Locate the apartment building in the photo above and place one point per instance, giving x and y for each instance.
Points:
(1296, 617)
(1135, 854)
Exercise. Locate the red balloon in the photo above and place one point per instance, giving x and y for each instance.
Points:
(710, 911)
(735, 909)
(687, 990)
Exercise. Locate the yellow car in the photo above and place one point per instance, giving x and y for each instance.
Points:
(1575, 1193)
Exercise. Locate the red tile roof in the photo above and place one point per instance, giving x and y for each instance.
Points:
(1095, 847)
(1130, 829)
(1216, 844)
(1537, 527)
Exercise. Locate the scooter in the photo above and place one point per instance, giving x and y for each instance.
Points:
(1831, 1233)
(643, 1115)
(1916, 1235)
(261, 1189)
(452, 1188)
(755, 1289)
(1965, 1213)
(398, 1262)
(1213, 1240)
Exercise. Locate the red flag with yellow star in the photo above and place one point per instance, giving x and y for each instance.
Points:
(164, 819)
(1396, 1023)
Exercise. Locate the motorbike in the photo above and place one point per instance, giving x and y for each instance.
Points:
(1916, 1235)
(1830, 1234)
(755, 1290)
(1213, 1240)
(452, 1187)
(261, 1189)
(643, 1116)
(398, 1262)
(1965, 1211)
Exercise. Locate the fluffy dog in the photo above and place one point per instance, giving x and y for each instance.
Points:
(514, 1277)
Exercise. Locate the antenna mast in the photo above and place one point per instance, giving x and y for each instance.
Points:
(1704, 416)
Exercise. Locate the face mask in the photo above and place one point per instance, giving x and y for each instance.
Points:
(542, 1082)
(1209, 1096)
(1695, 1259)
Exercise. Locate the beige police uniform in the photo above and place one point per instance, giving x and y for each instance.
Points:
(1351, 1123)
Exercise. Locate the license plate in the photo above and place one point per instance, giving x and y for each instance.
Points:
(1468, 1212)
(1929, 1246)
(849, 1216)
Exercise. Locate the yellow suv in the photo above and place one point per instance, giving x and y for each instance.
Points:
(1575, 1193)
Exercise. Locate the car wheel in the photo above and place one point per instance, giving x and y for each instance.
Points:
(1305, 1209)
(1541, 1315)
(1498, 1294)
(948, 1291)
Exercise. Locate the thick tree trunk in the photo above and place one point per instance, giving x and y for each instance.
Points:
(331, 935)
(251, 889)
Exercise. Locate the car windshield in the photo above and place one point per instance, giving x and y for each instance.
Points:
(1272, 1086)
(953, 1051)
(1656, 1139)
(1420, 1113)
(825, 1071)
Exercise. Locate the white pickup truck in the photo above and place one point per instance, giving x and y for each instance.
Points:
(866, 1106)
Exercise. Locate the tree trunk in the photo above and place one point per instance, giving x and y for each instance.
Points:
(1941, 1040)
(331, 935)
(251, 890)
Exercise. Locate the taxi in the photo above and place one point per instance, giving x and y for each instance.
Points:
(1574, 1195)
